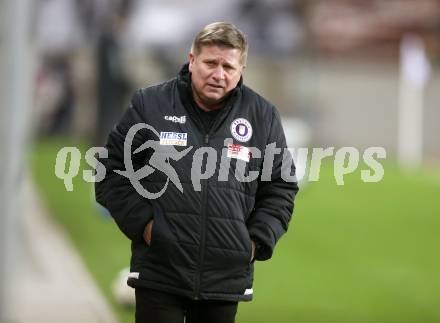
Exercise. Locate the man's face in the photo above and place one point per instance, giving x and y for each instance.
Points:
(216, 70)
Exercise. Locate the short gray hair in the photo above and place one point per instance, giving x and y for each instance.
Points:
(221, 34)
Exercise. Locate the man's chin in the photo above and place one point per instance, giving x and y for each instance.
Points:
(212, 99)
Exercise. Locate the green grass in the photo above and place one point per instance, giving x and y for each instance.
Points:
(363, 252)
(103, 248)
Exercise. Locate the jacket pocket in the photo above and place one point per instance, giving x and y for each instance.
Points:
(249, 240)
(161, 236)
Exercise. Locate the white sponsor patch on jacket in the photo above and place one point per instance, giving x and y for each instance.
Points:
(249, 291)
(133, 275)
(173, 138)
(238, 152)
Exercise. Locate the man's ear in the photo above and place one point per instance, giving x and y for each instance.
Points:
(191, 61)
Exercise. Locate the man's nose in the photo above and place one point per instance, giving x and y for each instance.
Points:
(219, 73)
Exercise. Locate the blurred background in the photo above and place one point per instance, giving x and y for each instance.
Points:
(360, 73)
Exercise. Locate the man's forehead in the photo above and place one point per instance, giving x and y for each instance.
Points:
(228, 54)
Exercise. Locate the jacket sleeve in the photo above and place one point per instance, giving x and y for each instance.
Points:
(129, 209)
(274, 200)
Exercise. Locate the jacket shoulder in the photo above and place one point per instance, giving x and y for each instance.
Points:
(260, 106)
(158, 89)
(155, 96)
(261, 103)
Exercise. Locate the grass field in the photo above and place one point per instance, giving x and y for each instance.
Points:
(363, 252)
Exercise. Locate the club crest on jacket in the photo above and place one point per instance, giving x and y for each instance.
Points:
(241, 129)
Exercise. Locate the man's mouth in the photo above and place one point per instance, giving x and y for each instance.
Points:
(215, 86)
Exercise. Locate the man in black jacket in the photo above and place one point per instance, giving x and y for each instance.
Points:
(200, 180)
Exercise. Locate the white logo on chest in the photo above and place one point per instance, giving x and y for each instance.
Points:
(241, 129)
(181, 119)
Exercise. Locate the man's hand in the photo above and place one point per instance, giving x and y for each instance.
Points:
(253, 250)
(147, 232)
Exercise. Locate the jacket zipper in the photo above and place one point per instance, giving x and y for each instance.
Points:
(202, 223)
(202, 230)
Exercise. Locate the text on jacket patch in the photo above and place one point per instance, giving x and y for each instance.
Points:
(181, 119)
(239, 152)
(173, 138)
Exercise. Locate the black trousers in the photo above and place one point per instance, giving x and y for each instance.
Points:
(158, 307)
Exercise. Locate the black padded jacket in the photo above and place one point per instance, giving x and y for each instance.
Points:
(201, 237)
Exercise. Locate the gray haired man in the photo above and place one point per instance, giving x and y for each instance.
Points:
(194, 248)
